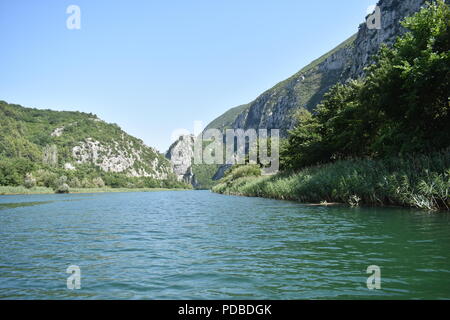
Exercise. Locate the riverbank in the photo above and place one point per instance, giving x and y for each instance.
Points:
(419, 182)
(6, 190)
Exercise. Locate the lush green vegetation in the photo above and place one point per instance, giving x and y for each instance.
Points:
(7, 190)
(204, 174)
(400, 107)
(32, 155)
(24, 172)
(376, 140)
(419, 181)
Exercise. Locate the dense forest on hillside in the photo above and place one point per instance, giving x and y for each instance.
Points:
(392, 124)
(36, 145)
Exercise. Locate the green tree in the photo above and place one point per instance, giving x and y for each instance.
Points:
(400, 107)
(303, 144)
(409, 86)
(345, 128)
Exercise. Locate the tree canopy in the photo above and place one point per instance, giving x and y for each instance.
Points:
(400, 107)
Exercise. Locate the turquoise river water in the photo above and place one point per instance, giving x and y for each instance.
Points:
(201, 245)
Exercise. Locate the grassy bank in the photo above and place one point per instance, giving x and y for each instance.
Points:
(419, 181)
(5, 190)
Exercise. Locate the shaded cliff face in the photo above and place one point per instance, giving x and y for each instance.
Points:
(275, 108)
(181, 154)
(368, 41)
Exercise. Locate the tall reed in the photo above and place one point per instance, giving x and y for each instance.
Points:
(421, 181)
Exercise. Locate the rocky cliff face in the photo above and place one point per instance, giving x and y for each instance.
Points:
(120, 157)
(368, 41)
(181, 154)
(275, 108)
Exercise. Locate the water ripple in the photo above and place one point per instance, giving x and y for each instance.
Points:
(199, 245)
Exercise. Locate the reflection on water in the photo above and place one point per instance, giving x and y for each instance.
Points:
(21, 204)
(199, 245)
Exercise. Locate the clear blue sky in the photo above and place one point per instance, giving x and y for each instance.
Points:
(155, 66)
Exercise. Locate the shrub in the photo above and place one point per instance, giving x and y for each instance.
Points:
(63, 188)
(98, 182)
(75, 183)
(61, 185)
(61, 180)
(45, 178)
(86, 183)
(29, 181)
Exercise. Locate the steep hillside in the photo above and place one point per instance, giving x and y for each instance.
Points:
(72, 141)
(380, 140)
(275, 107)
(226, 120)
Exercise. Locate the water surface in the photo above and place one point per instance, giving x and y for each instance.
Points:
(200, 245)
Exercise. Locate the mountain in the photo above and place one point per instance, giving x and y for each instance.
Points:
(274, 109)
(180, 154)
(71, 141)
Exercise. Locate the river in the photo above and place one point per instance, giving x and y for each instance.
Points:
(201, 245)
